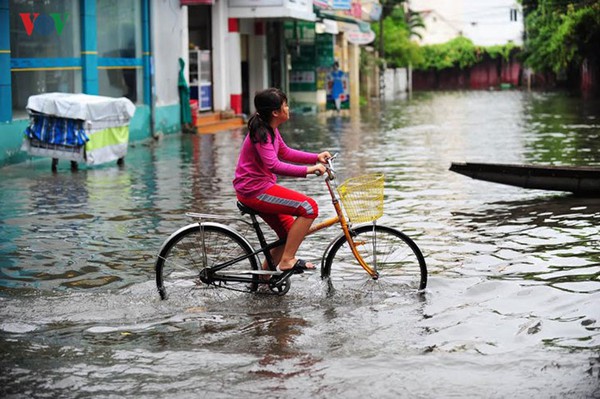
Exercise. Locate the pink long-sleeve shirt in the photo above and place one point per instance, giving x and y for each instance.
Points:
(259, 163)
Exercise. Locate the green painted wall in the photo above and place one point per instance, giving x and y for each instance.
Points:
(11, 137)
(139, 126)
(167, 121)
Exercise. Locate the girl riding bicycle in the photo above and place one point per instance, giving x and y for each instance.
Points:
(264, 155)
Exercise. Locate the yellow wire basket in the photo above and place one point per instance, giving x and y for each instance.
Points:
(362, 197)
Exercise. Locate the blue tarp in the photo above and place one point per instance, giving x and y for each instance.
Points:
(53, 130)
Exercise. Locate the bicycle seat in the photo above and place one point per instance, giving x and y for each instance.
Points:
(244, 209)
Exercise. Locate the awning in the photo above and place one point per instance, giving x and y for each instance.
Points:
(196, 2)
(363, 26)
(327, 26)
(288, 9)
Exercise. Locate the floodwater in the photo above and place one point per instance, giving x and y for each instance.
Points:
(512, 308)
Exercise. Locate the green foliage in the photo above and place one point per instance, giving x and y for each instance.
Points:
(415, 23)
(458, 52)
(389, 6)
(399, 50)
(362, 101)
(559, 35)
(501, 51)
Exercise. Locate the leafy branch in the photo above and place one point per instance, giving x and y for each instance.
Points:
(561, 34)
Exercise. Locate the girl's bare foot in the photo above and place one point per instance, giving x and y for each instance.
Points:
(299, 265)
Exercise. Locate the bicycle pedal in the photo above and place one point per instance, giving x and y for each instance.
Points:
(279, 279)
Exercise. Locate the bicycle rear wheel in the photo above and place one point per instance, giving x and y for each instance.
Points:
(195, 247)
(393, 254)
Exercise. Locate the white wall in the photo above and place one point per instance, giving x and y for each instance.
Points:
(257, 63)
(396, 84)
(438, 28)
(167, 25)
(486, 22)
(220, 59)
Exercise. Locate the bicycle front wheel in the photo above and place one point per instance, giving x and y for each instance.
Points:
(196, 247)
(394, 255)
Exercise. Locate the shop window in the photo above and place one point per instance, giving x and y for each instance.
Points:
(119, 33)
(45, 49)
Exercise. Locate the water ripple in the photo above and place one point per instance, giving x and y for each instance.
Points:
(510, 308)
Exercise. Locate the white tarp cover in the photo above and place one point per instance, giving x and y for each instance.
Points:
(85, 107)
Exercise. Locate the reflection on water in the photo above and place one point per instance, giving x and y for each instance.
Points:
(553, 240)
(511, 307)
(565, 131)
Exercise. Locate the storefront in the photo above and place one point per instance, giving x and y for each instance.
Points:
(264, 53)
(98, 47)
(54, 49)
(200, 52)
(325, 54)
(131, 49)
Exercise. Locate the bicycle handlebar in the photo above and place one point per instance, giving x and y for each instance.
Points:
(330, 168)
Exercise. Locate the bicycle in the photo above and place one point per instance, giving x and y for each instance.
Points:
(207, 253)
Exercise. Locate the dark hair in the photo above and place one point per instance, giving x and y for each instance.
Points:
(265, 102)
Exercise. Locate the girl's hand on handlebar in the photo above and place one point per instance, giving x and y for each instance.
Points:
(317, 169)
(324, 156)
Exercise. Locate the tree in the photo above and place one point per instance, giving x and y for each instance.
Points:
(395, 30)
(560, 34)
(387, 7)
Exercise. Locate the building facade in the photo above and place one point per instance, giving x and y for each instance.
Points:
(486, 23)
(231, 49)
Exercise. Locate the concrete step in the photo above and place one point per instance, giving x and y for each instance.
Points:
(212, 122)
(225, 124)
(205, 118)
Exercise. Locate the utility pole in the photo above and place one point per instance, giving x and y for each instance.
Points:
(381, 55)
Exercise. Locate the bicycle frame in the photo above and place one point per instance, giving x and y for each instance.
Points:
(208, 274)
(265, 248)
(341, 219)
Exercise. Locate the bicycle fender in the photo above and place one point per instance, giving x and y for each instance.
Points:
(197, 224)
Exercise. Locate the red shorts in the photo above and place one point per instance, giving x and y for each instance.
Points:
(278, 206)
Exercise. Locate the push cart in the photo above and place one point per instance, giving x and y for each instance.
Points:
(78, 128)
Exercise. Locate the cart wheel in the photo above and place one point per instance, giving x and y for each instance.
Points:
(54, 164)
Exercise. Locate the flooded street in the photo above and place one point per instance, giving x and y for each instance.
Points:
(512, 307)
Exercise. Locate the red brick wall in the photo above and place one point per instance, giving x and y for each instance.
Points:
(482, 76)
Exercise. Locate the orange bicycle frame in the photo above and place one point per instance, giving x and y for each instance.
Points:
(341, 219)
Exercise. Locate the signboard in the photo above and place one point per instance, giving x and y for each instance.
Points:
(303, 80)
(299, 32)
(341, 4)
(255, 3)
(356, 10)
(358, 37)
(285, 9)
(205, 96)
(302, 77)
(321, 3)
(375, 12)
(338, 95)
